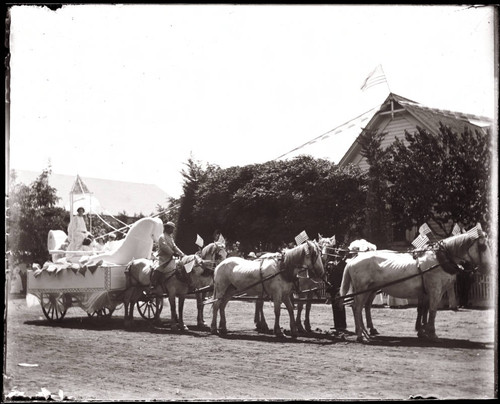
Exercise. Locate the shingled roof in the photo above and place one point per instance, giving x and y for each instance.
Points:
(115, 197)
(431, 117)
(426, 117)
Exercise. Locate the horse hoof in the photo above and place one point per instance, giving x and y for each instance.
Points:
(202, 325)
(213, 331)
(360, 339)
(222, 331)
(373, 331)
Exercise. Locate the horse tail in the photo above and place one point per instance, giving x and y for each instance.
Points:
(346, 282)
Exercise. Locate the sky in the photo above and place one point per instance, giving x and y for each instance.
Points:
(131, 92)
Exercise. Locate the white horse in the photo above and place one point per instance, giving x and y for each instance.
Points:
(427, 274)
(305, 285)
(175, 283)
(188, 271)
(272, 276)
(212, 254)
(138, 243)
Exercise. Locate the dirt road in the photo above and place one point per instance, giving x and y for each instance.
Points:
(98, 359)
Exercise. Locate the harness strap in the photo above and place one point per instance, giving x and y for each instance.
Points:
(421, 273)
(261, 280)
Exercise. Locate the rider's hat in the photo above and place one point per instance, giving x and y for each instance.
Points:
(169, 224)
(80, 208)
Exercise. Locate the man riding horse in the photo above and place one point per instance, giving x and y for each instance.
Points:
(166, 251)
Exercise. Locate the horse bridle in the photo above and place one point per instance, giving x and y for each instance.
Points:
(450, 257)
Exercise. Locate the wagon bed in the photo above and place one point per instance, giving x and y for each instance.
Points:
(96, 290)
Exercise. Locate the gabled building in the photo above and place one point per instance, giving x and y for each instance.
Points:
(397, 115)
(112, 197)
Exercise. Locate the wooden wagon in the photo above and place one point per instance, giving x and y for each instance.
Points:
(98, 290)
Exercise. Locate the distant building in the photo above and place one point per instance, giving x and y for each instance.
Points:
(114, 197)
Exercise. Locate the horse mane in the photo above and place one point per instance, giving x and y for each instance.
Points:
(292, 257)
(207, 249)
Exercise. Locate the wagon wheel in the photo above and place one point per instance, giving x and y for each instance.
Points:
(54, 306)
(150, 307)
(104, 312)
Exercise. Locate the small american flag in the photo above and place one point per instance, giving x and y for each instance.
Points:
(189, 265)
(476, 231)
(420, 241)
(299, 239)
(456, 230)
(424, 229)
(199, 241)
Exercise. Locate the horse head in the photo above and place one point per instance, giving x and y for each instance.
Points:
(480, 255)
(472, 247)
(327, 245)
(312, 258)
(215, 251)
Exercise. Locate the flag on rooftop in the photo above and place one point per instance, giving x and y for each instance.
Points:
(456, 230)
(300, 238)
(376, 77)
(199, 241)
(424, 229)
(420, 241)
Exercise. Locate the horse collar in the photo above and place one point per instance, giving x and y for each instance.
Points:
(445, 260)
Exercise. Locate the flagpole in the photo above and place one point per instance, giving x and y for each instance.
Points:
(386, 81)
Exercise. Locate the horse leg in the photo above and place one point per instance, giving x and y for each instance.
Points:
(431, 306)
(357, 309)
(173, 312)
(263, 324)
(368, 314)
(422, 313)
(430, 330)
(215, 309)
(181, 314)
(222, 322)
(298, 319)
(259, 318)
(256, 316)
(277, 309)
(307, 323)
(289, 307)
(199, 305)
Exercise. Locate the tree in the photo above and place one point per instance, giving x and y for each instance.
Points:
(186, 230)
(32, 213)
(378, 217)
(271, 203)
(443, 177)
